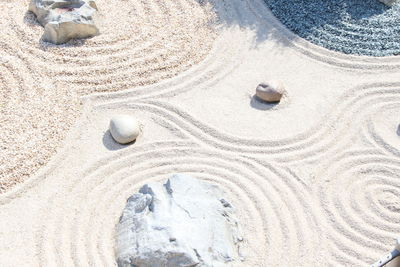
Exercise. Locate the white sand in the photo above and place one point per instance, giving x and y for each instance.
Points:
(315, 179)
(40, 83)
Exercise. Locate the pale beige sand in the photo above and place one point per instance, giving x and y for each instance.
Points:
(141, 43)
(315, 179)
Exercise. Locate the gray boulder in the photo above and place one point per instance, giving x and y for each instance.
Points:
(64, 20)
(388, 2)
(184, 222)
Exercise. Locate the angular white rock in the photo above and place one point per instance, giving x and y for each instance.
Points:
(392, 259)
(388, 2)
(184, 222)
(271, 91)
(124, 128)
(64, 20)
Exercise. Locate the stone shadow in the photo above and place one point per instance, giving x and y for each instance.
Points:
(257, 103)
(30, 19)
(111, 144)
(319, 12)
(243, 19)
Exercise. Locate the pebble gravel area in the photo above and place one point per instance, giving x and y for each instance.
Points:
(359, 27)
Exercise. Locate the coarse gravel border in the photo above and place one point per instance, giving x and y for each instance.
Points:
(358, 27)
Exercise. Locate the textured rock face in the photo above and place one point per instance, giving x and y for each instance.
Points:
(124, 128)
(271, 91)
(64, 20)
(184, 222)
(388, 2)
(391, 259)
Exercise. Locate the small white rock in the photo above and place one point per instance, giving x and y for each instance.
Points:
(271, 91)
(124, 128)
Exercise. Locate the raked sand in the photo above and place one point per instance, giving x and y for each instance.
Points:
(315, 179)
(40, 83)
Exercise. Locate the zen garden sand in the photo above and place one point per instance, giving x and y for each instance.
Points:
(314, 178)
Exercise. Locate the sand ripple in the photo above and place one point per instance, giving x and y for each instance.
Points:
(360, 198)
(327, 196)
(267, 198)
(40, 83)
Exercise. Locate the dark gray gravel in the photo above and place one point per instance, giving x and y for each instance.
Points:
(360, 27)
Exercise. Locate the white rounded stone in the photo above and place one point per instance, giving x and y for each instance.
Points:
(271, 91)
(124, 128)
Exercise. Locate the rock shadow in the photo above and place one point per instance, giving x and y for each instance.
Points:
(111, 144)
(257, 103)
(398, 130)
(31, 20)
(72, 43)
(318, 13)
(262, 28)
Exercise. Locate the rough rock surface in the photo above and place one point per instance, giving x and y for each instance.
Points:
(271, 91)
(124, 128)
(388, 2)
(184, 222)
(64, 20)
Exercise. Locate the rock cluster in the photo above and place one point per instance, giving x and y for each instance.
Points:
(184, 222)
(271, 91)
(124, 128)
(64, 20)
